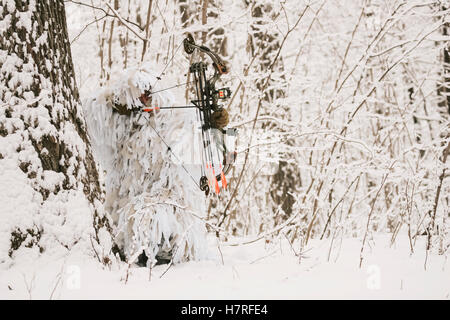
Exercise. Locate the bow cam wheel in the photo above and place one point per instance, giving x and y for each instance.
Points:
(204, 185)
(188, 43)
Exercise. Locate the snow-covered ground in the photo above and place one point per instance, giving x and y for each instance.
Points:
(251, 271)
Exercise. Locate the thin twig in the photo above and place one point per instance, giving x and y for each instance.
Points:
(124, 22)
(105, 12)
(371, 211)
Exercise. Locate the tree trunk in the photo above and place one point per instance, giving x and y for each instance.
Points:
(49, 184)
(265, 44)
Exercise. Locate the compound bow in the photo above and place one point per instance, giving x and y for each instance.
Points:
(207, 103)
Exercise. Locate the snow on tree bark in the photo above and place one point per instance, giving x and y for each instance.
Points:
(49, 184)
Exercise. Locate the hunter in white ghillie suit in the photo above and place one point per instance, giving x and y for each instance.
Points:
(150, 198)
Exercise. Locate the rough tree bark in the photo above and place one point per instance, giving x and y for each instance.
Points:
(49, 183)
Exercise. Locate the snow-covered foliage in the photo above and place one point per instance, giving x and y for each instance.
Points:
(343, 112)
(155, 205)
(342, 108)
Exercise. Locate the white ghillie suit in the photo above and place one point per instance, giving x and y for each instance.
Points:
(148, 194)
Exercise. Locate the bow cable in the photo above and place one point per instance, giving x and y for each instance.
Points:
(173, 153)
